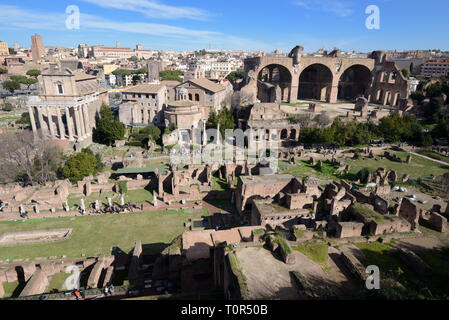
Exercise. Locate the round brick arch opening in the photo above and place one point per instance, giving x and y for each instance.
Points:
(354, 82)
(271, 76)
(315, 83)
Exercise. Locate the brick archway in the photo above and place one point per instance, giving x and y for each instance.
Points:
(315, 82)
(355, 81)
(274, 83)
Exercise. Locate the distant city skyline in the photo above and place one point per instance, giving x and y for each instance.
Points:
(240, 25)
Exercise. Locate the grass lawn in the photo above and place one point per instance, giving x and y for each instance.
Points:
(316, 252)
(304, 169)
(219, 184)
(393, 267)
(56, 282)
(419, 167)
(13, 289)
(94, 235)
(139, 196)
(157, 163)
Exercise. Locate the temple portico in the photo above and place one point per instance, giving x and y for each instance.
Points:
(61, 120)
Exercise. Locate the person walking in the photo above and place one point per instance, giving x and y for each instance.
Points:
(77, 294)
(105, 291)
(111, 289)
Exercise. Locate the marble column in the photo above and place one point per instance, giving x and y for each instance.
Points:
(40, 119)
(86, 120)
(50, 123)
(77, 123)
(60, 124)
(32, 120)
(69, 123)
(82, 127)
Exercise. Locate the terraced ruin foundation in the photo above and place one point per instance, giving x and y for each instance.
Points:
(33, 237)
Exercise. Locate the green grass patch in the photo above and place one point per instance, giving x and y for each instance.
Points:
(316, 252)
(419, 167)
(97, 234)
(304, 169)
(56, 282)
(219, 184)
(13, 289)
(237, 270)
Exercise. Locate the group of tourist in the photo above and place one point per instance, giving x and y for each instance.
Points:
(108, 290)
(79, 294)
(129, 207)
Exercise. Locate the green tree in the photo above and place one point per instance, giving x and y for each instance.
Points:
(234, 75)
(441, 130)
(406, 73)
(108, 128)
(146, 134)
(24, 119)
(173, 75)
(10, 85)
(3, 71)
(433, 110)
(34, 73)
(81, 165)
(23, 80)
(224, 117)
(106, 112)
(136, 79)
(417, 96)
(29, 82)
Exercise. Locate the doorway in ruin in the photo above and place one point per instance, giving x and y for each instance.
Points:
(315, 83)
(274, 83)
(354, 82)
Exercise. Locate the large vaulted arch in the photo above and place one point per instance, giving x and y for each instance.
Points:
(315, 83)
(354, 82)
(274, 83)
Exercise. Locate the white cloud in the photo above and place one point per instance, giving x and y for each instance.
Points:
(12, 16)
(178, 37)
(340, 8)
(153, 9)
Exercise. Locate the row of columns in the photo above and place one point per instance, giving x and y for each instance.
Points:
(79, 126)
(148, 114)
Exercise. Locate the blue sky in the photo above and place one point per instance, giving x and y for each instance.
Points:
(230, 24)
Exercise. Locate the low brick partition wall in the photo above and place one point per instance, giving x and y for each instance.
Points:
(37, 283)
(353, 264)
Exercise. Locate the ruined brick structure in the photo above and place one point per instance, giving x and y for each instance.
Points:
(329, 78)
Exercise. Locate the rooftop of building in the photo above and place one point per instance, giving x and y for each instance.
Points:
(207, 84)
(81, 76)
(144, 88)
